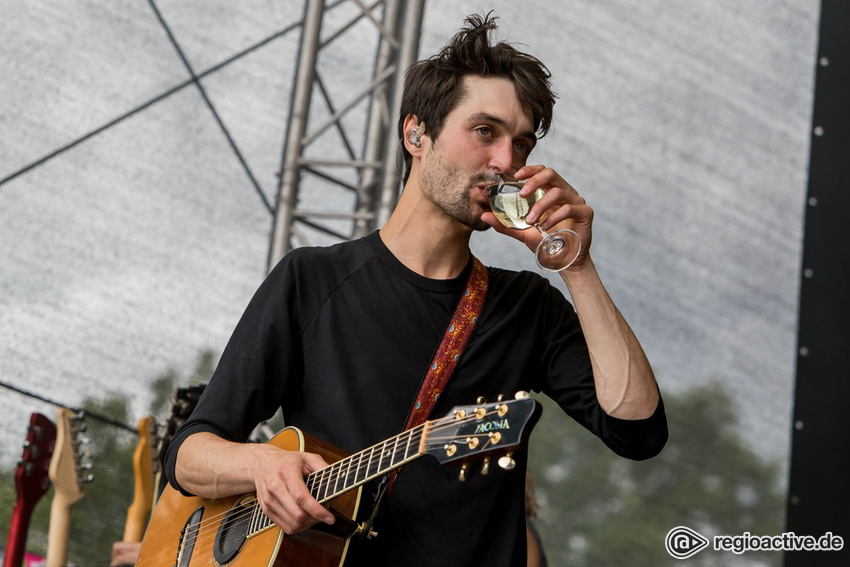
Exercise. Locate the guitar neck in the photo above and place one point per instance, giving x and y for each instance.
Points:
(357, 469)
(60, 527)
(16, 542)
(143, 482)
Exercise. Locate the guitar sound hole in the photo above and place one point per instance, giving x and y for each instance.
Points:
(188, 537)
(231, 534)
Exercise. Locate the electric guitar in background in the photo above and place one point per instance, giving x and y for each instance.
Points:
(182, 406)
(69, 474)
(31, 483)
(189, 531)
(144, 463)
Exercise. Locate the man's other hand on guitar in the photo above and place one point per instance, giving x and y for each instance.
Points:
(276, 475)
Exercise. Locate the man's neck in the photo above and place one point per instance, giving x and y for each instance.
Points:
(426, 241)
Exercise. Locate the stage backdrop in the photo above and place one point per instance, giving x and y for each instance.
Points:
(133, 236)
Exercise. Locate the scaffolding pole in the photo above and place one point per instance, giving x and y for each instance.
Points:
(374, 169)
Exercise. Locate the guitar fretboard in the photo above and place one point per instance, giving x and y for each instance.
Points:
(355, 470)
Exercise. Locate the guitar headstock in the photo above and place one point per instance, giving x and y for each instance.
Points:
(182, 406)
(31, 477)
(474, 431)
(71, 461)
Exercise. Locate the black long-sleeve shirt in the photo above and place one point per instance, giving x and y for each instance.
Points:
(341, 337)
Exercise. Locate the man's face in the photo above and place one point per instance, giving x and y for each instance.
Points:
(488, 129)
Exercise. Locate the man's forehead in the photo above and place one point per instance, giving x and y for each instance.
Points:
(493, 100)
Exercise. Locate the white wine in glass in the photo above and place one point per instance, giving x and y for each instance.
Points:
(558, 250)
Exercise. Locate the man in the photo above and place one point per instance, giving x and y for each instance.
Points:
(340, 337)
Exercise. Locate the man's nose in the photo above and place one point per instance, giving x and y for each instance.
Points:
(502, 159)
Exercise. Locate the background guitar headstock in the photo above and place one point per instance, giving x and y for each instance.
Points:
(31, 478)
(182, 406)
(476, 431)
(71, 461)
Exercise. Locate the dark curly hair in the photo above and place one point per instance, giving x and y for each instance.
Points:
(434, 86)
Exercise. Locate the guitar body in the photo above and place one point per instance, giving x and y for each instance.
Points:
(221, 540)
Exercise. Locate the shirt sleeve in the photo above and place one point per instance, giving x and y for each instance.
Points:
(258, 369)
(569, 381)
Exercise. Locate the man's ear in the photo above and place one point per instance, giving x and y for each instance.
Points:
(414, 132)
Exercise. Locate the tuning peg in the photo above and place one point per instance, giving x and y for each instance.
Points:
(485, 466)
(37, 431)
(507, 462)
(521, 395)
(481, 400)
(463, 470)
(500, 398)
(363, 528)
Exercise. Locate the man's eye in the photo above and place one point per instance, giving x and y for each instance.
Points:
(522, 148)
(485, 131)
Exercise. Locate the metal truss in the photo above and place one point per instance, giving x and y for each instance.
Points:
(340, 172)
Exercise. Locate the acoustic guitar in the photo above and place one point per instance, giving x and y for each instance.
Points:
(31, 483)
(193, 531)
(69, 474)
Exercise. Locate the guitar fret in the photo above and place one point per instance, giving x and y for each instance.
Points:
(384, 454)
(257, 518)
(336, 476)
(370, 462)
(407, 446)
(348, 480)
(357, 467)
(327, 478)
(393, 459)
(409, 436)
(322, 484)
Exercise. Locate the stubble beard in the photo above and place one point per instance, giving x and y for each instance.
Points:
(444, 183)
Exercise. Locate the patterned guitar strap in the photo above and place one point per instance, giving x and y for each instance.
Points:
(443, 363)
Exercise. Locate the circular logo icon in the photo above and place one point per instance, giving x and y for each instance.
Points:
(683, 542)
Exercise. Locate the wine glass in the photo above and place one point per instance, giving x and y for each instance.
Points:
(559, 249)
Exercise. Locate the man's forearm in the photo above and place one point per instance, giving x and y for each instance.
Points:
(211, 467)
(625, 383)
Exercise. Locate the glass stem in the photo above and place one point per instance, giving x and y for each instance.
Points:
(542, 232)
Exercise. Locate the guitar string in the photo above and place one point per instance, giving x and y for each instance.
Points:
(196, 533)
